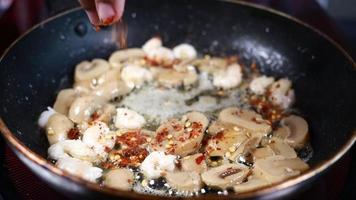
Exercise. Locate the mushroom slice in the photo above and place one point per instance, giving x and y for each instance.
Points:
(181, 137)
(112, 90)
(224, 143)
(259, 84)
(210, 65)
(194, 163)
(121, 179)
(225, 176)
(244, 152)
(294, 131)
(184, 181)
(83, 107)
(281, 148)
(118, 58)
(89, 70)
(171, 78)
(111, 75)
(252, 183)
(64, 99)
(246, 119)
(278, 168)
(57, 128)
(262, 152)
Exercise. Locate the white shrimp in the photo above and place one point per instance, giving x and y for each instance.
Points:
(161, 55)
(228, 78)
(98, 138)
(156, 163)
(151, 44)
(281, 93)
(184, 51)
(135, 76)
(128, 119)
(72, 148)
(259, 84)
(83, 169)
(44, 117)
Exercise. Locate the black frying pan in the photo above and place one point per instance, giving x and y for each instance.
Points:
(41, 63)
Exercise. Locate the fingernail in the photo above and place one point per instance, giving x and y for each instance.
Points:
(93, 18)
(106, 13)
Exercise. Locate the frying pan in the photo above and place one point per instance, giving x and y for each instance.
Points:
(41, 62)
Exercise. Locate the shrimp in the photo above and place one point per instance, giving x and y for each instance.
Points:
(282, 93)
(135, 76)
(161, 55)
(98, 138)
(260, 84)
(44, 117)
(72, 148)
(151, 44)
(128, 119)
(156, 163)
(228, 78)
(83, 169)
(184, 52)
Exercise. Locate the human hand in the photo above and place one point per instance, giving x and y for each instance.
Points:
(103, 12)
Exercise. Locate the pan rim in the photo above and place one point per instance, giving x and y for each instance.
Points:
(313, 172)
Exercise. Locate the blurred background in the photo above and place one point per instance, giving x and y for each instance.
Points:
(336, 18)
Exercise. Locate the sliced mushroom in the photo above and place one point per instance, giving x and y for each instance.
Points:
(184, 181)
(111, 90)
(171, 78)
(244, 153)
(279, 147)
(224, 143)
(64, 100)
(252, 183)
(294, 131)
(194, 163)
(58, 127)
(210, 65)
(225, 176)
(278, 168)
(262, 152)
(120, 57)
(83, 107)
(247, 119)
(135, 75)
(181, 137)
(122, 179)
(89, 70)
(110, 75)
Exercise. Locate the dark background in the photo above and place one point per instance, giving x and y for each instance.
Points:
(337, 18)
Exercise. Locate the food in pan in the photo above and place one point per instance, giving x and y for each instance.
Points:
(172, 122)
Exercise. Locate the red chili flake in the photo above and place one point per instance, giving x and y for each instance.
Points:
(132, 156)
(199, 159)
(176, 126)
(107, 149)
(197, 127)
(218, 136)
(94, 116)
(107, 165)
(73, 134)
(161, 135)
(132, 138)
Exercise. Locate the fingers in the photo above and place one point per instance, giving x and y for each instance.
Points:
(103, 12)
(90, 9)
